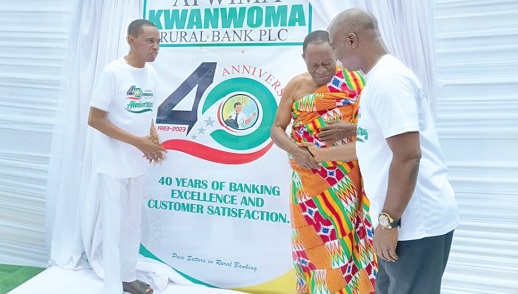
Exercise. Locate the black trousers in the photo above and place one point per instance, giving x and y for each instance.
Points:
(419, 268)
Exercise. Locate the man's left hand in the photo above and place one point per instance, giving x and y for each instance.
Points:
(336, 130)
(385, 243)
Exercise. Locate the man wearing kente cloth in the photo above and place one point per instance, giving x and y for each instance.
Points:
(331, 229)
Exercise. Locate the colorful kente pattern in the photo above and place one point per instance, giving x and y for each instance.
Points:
(331, 229)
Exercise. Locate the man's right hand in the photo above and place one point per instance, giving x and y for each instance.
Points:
(304, 158)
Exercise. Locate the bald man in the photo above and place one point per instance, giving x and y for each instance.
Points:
(413, 205)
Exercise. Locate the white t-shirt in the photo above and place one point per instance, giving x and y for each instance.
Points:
(392, 103)
(127, 94)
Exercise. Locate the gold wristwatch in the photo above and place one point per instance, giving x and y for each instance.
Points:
(387, 222)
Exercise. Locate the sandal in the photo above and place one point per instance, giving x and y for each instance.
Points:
(137, 287)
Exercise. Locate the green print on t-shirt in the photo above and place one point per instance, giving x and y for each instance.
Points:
(362, 135)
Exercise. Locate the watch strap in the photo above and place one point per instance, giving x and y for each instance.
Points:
(391, 222)
(395, 223)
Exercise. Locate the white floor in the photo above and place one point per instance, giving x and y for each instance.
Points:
(56, 280)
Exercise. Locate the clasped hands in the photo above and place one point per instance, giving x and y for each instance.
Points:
(307, 156)
(152, 149)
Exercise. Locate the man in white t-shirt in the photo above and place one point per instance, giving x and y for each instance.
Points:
(122, 110)
(413, 205)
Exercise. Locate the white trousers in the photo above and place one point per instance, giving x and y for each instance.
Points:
(120, 209)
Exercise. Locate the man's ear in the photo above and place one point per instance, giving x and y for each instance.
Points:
(352, 40)
(130, 39)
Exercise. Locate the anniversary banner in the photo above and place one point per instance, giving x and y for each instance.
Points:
(217, 209)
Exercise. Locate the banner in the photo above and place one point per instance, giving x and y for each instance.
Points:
(217, 209)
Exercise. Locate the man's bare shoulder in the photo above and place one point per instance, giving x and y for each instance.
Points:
(299, 86)
(302, 78)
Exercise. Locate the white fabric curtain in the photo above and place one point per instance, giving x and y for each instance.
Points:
(97, 36)
(32, 41)
(476, 45)
(407, 27)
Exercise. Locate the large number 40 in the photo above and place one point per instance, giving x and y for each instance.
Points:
(201, 77)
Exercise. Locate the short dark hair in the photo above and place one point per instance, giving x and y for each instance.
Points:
(237, 103)
(135, 27)
(316, 37)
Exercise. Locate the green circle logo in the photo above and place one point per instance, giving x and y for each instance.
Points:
(242, 88)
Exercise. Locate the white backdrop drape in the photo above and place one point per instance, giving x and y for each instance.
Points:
(94, 39)
(478, 126)
(32, 46)
(407, 27)
(97, 36)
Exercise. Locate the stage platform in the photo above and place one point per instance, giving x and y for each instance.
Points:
(56, 280)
